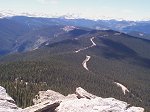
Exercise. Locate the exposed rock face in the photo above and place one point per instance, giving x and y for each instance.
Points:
(96, 105)
(84, 94)
(6, 102)
(45, 101)
(48, 95)
(45, 106)
(81, 101)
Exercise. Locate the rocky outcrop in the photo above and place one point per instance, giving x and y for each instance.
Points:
(7, 103)
(45, 101)
(81, 101)
(81, 93)
(48, 95)
(96, 105)
(45, 106)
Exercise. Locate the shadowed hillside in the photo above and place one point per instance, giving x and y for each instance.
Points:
(115, 58)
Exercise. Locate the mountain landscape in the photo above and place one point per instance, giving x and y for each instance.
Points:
(22, 33)
(61, 57)
(74, 56)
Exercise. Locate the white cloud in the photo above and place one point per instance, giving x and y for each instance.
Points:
(49, 1)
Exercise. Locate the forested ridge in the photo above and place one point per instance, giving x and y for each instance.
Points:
(119, 58)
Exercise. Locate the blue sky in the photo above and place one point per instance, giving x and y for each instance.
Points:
(126, 9)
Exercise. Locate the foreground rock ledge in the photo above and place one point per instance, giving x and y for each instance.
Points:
(80, 101)
(7, 104)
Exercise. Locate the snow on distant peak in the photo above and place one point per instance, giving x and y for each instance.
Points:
(70, 16)
(10, 13)
(7, 13)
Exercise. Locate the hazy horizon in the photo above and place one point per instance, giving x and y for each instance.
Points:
(128, 9)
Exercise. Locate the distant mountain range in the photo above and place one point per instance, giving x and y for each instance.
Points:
(108, 58)
(24, 33)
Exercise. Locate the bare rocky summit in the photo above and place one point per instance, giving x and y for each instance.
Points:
(80, 101)
(7, 104)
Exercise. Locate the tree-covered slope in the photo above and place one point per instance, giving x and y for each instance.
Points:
(115, 58)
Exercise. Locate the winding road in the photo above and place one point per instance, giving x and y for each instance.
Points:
(93, 44)
(124, 89)
(84, 63)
